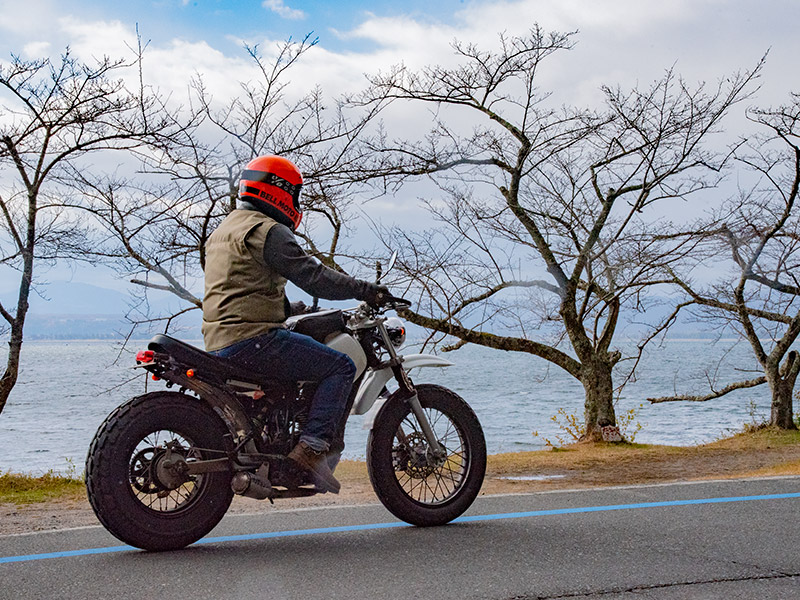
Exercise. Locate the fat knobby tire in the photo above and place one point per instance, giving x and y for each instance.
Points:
(382, 470)
(108, 472)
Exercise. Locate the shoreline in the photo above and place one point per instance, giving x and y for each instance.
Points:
(75, 400)
(760, 453)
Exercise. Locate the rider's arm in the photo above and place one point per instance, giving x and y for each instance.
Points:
(283, 254)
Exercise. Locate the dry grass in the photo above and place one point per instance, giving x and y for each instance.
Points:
(757, 453)
(29, 489)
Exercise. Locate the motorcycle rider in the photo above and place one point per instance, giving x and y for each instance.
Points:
(249, 259)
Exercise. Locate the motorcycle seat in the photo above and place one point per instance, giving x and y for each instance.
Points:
(200, 360)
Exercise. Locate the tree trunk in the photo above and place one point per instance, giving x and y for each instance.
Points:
(9, 378)
(781, 411)
(12, 366)
(599, 404)
(781, 380)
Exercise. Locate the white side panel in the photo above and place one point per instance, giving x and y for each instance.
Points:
(374, 381)
(347, 345)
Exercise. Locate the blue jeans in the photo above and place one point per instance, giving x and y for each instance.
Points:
(286, 356)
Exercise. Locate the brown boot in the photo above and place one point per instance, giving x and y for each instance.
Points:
(317, 463)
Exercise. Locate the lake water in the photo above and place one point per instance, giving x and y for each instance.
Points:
(66, 389)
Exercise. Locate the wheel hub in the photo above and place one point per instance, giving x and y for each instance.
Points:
(415, 457)
(158, 470)
(171, 470)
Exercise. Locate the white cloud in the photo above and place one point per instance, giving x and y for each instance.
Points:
(403, 39)
(629, 42)
(95, 39)
(279, 8)
(169, 66)
(623, 17)
(26, 18)
(34, 50)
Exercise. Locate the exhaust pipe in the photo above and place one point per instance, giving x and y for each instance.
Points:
(253, 485)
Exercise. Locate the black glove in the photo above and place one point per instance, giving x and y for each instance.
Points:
(376, 295)
(298, 308)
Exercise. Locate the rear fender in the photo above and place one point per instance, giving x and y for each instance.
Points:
(224, 404)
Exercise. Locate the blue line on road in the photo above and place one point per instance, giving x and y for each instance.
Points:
(472, 519)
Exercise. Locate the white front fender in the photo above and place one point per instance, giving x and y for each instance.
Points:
(375, 380)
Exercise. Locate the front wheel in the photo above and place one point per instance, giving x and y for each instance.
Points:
(411, 480)
(133, 484)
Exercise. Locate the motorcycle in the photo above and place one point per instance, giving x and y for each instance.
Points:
(163, 467)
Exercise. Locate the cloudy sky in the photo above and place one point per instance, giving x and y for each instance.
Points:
(618, 41)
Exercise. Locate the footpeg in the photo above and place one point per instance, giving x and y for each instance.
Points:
(253, 485)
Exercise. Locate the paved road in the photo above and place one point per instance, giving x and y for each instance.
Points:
(731, 540)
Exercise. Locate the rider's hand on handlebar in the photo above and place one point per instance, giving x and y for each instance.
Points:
(298, 308)
(377, 295)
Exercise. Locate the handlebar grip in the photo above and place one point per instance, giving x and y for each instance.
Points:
(389, 299)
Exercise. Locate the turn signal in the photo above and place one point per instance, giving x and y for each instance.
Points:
(155, 378)
(190, 373)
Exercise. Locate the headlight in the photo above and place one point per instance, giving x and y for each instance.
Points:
(396, 330)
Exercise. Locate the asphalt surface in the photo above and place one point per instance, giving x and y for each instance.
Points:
(731, 540)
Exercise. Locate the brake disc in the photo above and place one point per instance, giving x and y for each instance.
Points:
(413, 457)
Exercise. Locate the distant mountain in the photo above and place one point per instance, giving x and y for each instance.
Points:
(70, 298)
(71, 310)
(103, 327)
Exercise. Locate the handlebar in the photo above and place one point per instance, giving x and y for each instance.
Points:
(388, 303)
(395, 302)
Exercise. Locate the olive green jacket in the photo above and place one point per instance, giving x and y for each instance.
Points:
(244, 297)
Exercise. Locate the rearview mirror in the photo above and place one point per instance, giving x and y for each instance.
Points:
(380, 273)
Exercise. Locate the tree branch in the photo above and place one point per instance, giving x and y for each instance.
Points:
(482, 338)
(6, 315)
(179, 290)
(726, 390)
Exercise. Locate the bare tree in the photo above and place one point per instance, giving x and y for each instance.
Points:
(157, 223)
(53, 114)
(758, 235)
(547, 228)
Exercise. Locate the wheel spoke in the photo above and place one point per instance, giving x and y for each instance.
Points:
(143, 472)
(424, 478)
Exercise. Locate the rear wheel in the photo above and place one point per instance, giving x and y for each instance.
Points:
(414, 483)
(134, 478)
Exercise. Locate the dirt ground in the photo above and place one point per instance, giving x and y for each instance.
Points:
(579, 466)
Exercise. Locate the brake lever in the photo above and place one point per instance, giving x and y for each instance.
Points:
(395, 302)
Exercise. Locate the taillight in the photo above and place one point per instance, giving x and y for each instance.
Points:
(145, 356)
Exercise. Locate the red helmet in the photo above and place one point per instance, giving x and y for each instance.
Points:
(272, 184)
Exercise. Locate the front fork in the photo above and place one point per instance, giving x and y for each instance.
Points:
(408, 393)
